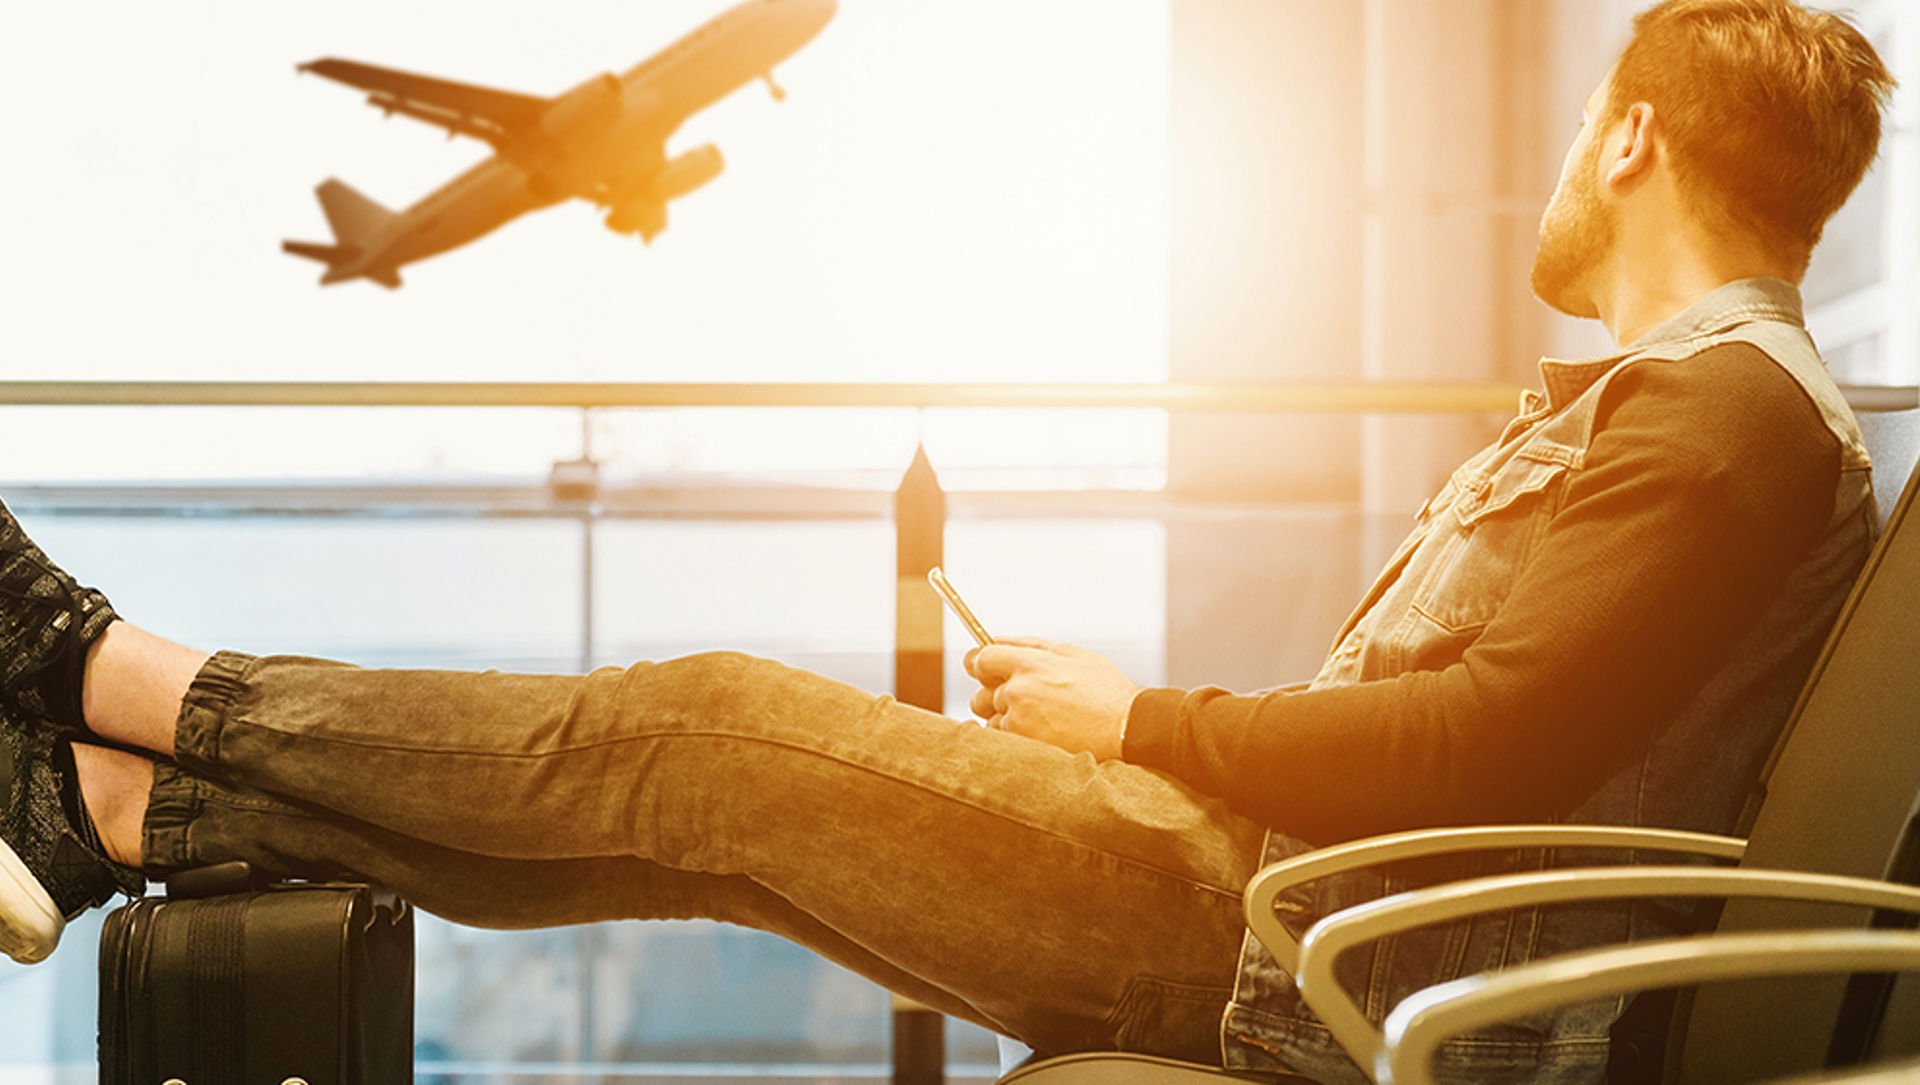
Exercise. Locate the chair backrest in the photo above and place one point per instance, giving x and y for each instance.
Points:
(1893, 440)
(1840, 794)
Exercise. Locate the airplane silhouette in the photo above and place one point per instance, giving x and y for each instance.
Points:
(604, 141)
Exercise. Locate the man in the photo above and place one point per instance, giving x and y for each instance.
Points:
(1603, 617)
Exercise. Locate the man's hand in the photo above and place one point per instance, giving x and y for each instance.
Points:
(1057, 693)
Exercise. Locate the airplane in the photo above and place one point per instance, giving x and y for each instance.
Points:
(603, 141)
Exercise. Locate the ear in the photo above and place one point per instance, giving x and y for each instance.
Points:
(1633, 161)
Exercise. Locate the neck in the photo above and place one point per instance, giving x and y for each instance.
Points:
(1656, 275)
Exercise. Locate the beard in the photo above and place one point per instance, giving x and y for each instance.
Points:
(1576, 235)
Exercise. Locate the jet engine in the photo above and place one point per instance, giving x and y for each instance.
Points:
(688, 172)
(641, 215)
(645, 212)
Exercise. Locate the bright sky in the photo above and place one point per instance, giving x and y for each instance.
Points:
(953, 191)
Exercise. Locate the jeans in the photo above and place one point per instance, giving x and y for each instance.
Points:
(1071, 904)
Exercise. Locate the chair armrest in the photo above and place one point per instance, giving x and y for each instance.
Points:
(1904, 1070)
(1263, 892)
(1426, 1019)
(1377, 919)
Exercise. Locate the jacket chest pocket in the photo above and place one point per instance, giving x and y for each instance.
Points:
(1490, 531)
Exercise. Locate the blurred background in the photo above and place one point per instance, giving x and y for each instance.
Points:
(1078, 191)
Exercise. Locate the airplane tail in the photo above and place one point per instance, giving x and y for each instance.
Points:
(351, 215)
(342, 264)
(313, 250)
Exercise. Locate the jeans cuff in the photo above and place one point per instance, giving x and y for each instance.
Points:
(165, 835)
(203, 711)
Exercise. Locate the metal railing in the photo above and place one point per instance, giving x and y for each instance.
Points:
(1350, 396)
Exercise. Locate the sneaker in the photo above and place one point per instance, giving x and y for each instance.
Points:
(47, 623)
(51, 863)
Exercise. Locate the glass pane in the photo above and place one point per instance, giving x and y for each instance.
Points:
(970, 449)
(1852, 251)
(414, 593)
(997, 212)
(1864, 362)
(1100, 584)
(816, 595)
(180, 444)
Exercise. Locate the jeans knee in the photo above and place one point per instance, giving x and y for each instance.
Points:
(715, 681)
(724, 668)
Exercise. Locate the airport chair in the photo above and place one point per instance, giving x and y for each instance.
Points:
(1900, 1072)
(1893, 439)
(1423, 1022)
(1853, 734)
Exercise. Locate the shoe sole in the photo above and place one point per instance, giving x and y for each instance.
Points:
(30, 925)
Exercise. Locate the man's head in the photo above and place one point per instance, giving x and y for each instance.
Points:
(1745, 122)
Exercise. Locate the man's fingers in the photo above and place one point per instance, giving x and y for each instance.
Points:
(982, 702)
(998, 662)
(1025, 642)
(972, 660)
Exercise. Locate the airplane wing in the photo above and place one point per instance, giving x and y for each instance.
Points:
(460, 108)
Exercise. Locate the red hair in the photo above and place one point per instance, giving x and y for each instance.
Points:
(1772, 111)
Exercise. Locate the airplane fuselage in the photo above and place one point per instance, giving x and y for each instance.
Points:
(604, 140)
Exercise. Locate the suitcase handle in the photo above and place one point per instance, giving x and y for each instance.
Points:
(217, 880)
(239, 876)
(388, 901)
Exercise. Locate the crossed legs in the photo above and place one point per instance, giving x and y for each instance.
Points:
(131, 694)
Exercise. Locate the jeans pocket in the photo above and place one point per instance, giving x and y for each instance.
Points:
(1172, 1020)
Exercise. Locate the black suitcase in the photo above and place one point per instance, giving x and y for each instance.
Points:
(308, 982)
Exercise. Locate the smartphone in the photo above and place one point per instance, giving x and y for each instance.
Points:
(959, 607)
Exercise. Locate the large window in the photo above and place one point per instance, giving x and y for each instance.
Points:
(951, 193)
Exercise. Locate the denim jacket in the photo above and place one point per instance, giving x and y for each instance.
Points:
(1441, 587)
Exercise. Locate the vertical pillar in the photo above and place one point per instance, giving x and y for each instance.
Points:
(919, 524)
(919, 679)
(1264, 283)
(1355, 193)
(919, 1044)
(1437, 284)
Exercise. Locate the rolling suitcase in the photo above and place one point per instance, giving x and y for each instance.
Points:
(228, 981)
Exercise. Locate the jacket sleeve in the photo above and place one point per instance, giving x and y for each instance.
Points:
(1706, 483)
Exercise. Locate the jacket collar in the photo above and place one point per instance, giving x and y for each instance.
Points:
(1739, 302)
